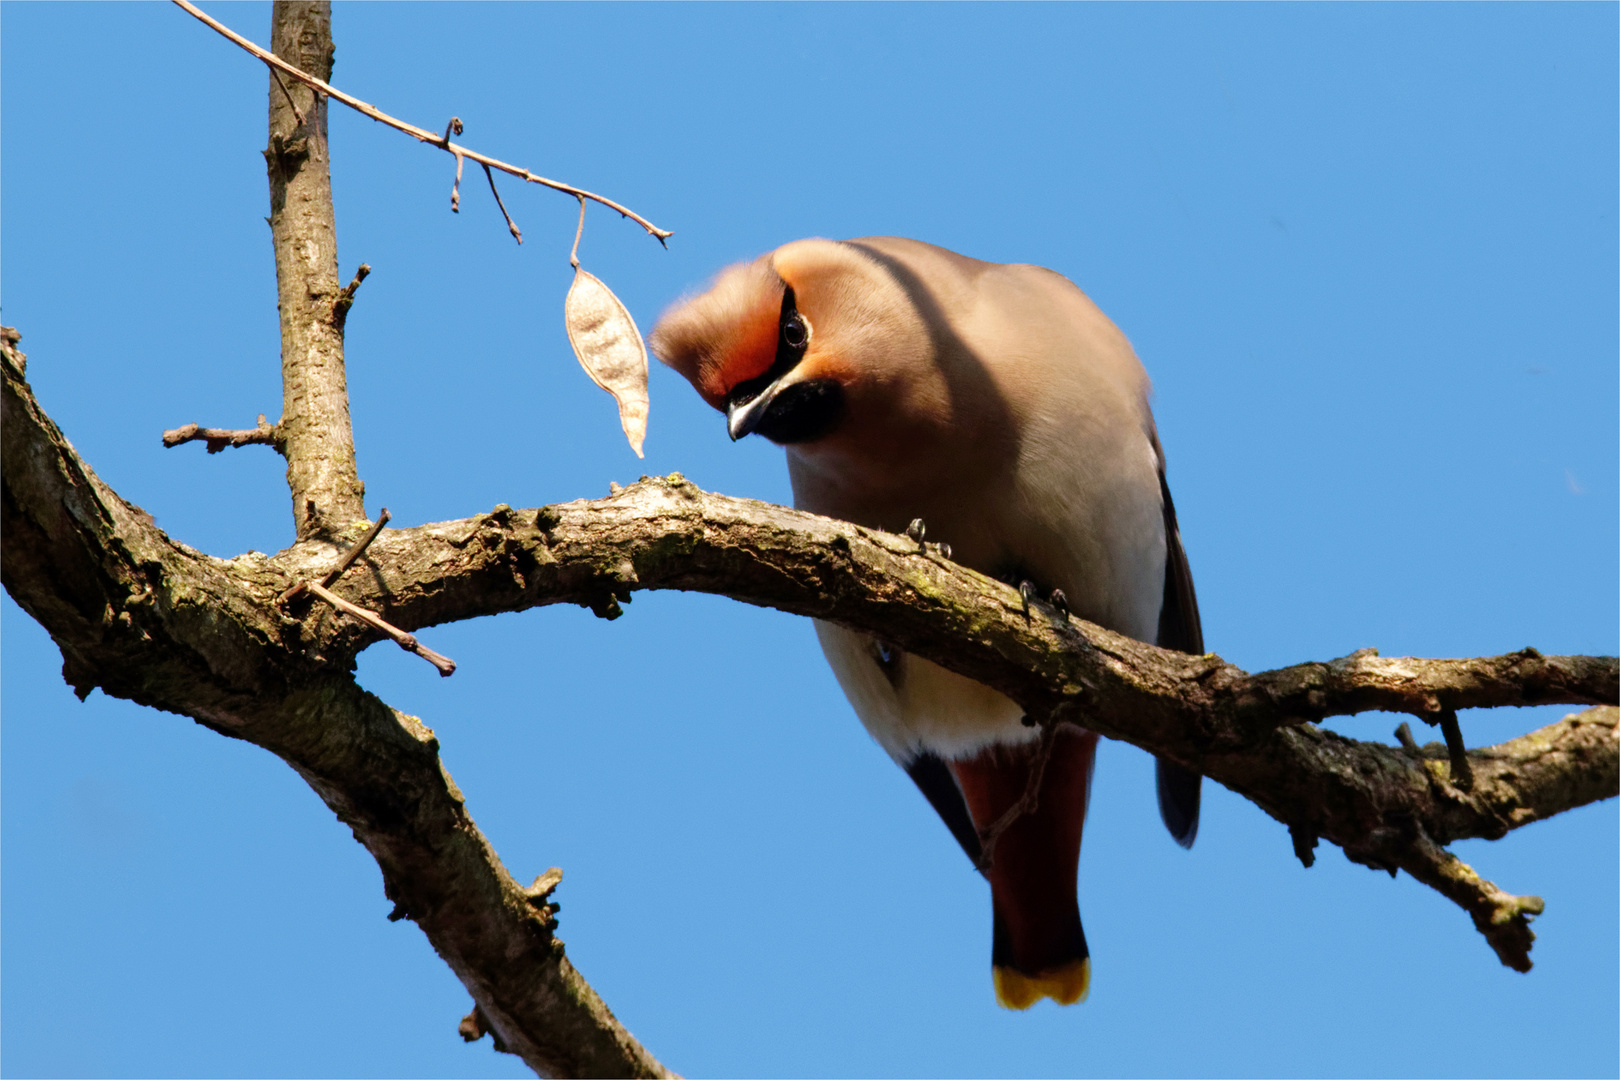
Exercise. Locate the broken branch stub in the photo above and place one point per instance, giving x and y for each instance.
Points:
(610, 349)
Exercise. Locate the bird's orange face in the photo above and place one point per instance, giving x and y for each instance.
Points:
(751, 347)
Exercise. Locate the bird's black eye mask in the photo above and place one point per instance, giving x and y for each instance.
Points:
(792, 338)
(785, 414)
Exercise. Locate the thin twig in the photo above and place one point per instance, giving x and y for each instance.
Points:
(353, 286)
(1462, 774)
(408, 642)
(420, 134)
(454, 127)
(1027, 803)
(346, 561)
(573, 254)
(359, 549)
(218, 439)
(299, 113)
(510, 224)
(345, 297)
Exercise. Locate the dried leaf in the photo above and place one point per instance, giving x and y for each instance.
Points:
(610, 349)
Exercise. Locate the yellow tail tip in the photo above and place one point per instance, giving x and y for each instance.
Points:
(1064, 985)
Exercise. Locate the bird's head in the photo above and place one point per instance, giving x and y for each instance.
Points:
(793, 343)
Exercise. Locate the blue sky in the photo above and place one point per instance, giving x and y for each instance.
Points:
(1367, 252)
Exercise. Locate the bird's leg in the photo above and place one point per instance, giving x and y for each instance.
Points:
(1027, 802)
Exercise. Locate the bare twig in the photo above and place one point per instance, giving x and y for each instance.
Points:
(346, 561)
(299, 113)
(420, 134)
(1403, 735)
(408, 642)
(355, 552)
(266, 434)
(573, 254)
(345, 296)
(510, 224)
(354, 284)
(320, 589)
(454, 127)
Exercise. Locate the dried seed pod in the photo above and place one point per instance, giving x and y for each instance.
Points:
(610, 349)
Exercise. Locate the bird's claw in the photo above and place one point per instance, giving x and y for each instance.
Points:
(917, 530)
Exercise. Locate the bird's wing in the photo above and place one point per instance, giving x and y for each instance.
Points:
(1179, 629)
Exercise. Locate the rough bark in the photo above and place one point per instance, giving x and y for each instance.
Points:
(314, 431)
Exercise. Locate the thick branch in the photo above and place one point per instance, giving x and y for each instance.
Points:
(157, 623)
(1199, 711)
(315, 430)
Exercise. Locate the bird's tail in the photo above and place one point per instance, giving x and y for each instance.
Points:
(1039, 948)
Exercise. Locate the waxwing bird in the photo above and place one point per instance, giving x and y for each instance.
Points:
(1000, 408)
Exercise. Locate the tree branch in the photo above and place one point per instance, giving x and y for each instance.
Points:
(163, 625)
(217, 439)
(1252, 733)
(316, 433)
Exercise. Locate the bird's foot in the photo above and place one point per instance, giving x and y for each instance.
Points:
(1029, 591)
(917, 530)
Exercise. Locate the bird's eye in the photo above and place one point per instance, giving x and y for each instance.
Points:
(795, 332)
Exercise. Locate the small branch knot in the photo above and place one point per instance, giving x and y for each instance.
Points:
(544, 885)
(475, 1026)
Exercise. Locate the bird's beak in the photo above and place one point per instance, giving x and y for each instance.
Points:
(742, 417)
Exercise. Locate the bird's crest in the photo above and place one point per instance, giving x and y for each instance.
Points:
(725, 335)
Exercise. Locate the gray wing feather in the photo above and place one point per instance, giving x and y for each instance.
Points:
(1180, 789)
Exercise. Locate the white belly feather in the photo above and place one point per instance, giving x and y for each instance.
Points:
(910, 704)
